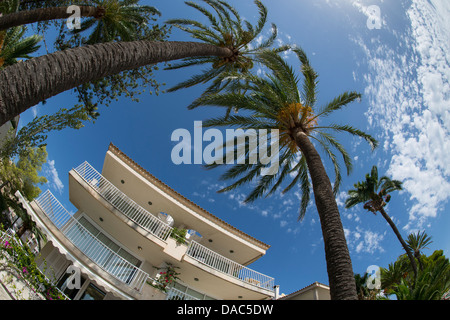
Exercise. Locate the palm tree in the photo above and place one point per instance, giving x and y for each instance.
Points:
(229, 30)
(432, 283)
(361, 286)
(275, 102)
(375, 194)
(418, 242)
(26, 84)
(14, 46)
(120, 20)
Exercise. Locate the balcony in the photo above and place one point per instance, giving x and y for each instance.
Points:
(91, 246)
(228, 267)
(193, 253)
(123, 203)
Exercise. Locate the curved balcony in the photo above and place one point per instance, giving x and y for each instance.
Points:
(193, 253)
(224, 265)
(91, 246)
(123, 203)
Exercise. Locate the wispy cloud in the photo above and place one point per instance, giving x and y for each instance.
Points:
(364, 241)
(52, 176)
(409, 95)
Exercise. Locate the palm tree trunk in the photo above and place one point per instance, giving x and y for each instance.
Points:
(399, 236)
(339, 265)
(45, 14)
(25, 84)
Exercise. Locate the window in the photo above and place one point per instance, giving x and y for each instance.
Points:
(92, 292)
(62, 285)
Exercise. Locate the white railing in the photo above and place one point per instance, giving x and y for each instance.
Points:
(175, 294)
(155, 226)
(91, 246)
(229, 267)
(123, 203)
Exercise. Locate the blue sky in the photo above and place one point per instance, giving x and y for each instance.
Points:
(402, 69)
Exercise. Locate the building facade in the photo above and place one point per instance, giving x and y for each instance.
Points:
(130, 228)
(315, 291)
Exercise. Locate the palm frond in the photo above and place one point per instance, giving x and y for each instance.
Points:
(226, 29)
(349, 129)
(338, 103)
(337, 169)
(310, 78)
(330, 140)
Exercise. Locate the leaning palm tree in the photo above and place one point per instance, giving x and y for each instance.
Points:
(375, 192)
(26, 84)
(418, 242)
(276, 102)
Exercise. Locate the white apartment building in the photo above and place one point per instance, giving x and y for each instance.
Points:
(122, 236)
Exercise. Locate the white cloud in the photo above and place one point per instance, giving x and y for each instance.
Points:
(370, 243)
(340, 199)
(364, 241)
(35, 111)
(53, 177)
(409, 96)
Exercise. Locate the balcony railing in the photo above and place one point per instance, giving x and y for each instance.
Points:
(229, 267)
(161, 230)
(123, 203)
(175, 294)
(91, 246)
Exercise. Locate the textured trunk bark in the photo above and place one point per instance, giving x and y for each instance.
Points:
(25, 84)
(45, 14)
(339, 266)
(399, 237)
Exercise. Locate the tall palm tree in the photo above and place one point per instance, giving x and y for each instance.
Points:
(229, 30)
(276, 102)
(375, 192)
(418, 242)
(26, 84)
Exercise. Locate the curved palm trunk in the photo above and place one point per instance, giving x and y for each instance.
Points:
(399, 236)
(45, 14)
(339, 266)
(25, 84)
